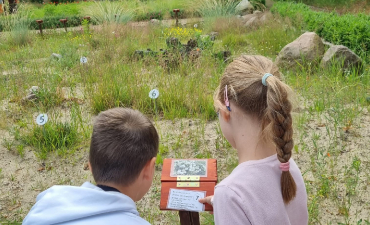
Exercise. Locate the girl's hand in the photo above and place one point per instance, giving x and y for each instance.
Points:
(208, 200)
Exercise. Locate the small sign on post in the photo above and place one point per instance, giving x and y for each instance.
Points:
(183, 183)
(41, 119)
(154, 94)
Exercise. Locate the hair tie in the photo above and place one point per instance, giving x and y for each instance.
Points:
(265, 77)
(285, 166)
(227, 103)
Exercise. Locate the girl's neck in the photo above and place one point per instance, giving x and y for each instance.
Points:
(248, 141)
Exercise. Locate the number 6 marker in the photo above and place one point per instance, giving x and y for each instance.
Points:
(42, 119)
(153, 94)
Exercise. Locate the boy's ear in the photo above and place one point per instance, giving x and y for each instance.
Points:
(149, 168)
(89, 166)
(225, 115)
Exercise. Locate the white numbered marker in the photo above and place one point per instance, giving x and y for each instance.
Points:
(42, 119)
(153, 94)
(83, 60)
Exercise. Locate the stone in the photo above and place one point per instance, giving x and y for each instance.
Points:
(251, 22)
(55, 55)
(248, 17)
(343, 56)
(155, 21)
(257, 12)
(139, 54)
(213, 35)
(308, 48)
(244, 7)
(32, 93)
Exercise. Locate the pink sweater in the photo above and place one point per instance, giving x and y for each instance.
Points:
(251, 194)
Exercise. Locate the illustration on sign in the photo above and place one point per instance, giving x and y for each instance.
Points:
(189, 168)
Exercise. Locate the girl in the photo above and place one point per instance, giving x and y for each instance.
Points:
(255, 117)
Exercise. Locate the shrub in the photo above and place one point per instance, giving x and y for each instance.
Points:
(148, 16)
(349, 30)
(53, 22)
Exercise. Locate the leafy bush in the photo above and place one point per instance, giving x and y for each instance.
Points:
(349, 30)
(53, 22)
(148, 16)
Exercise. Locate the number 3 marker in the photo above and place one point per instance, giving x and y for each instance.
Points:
(42, 119)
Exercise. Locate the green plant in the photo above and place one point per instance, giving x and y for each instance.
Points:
(348, 30)
(17, 24)
(108, 11)
(214, 8)
(52, 136)
(20, 150)
(149, 15)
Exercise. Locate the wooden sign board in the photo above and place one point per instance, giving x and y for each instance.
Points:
(188, 174)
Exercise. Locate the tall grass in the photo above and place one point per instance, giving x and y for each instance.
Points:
(214, 8)
(17, 24)
(108, 11)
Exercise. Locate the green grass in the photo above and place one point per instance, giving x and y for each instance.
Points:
(323, 3)
(328, 142)
(349, 30)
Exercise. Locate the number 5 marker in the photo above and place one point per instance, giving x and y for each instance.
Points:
(42, 119)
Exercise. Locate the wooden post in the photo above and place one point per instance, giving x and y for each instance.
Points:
(40, 25)
(189, 218)
(176, 11)
(64, 21)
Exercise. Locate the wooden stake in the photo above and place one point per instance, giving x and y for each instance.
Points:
(189, 218)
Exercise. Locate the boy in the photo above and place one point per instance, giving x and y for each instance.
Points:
(123, 148)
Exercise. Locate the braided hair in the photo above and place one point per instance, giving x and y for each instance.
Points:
(268, 103)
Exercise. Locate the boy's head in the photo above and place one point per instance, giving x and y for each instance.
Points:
(124, 145)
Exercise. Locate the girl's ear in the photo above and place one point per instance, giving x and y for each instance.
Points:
(225, 115)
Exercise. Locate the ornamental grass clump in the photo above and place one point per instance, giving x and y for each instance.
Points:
(108, 11)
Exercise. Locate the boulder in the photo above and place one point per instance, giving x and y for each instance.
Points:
(251, 22)
(244, 7)
(343, 56)
(308, 48)
(213, 35)
(32, 94)
(57, 56)
(155, 21)
(248, 17)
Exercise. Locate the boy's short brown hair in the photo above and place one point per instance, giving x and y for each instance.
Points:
(122, 142)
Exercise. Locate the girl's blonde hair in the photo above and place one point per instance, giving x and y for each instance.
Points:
(270, 104)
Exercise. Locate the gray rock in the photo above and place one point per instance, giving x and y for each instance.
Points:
(244, 7)
(32, 93)
(251, 22)
(155, 21)
(213, 35)
(33, 90)
(55, 55)
(248, 17)
(342, 56)
(308, 48)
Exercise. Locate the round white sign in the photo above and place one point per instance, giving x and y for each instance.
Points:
(83, 60)
(42, 119)
(154, 94)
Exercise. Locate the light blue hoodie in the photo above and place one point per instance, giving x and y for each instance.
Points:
(87, 204)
